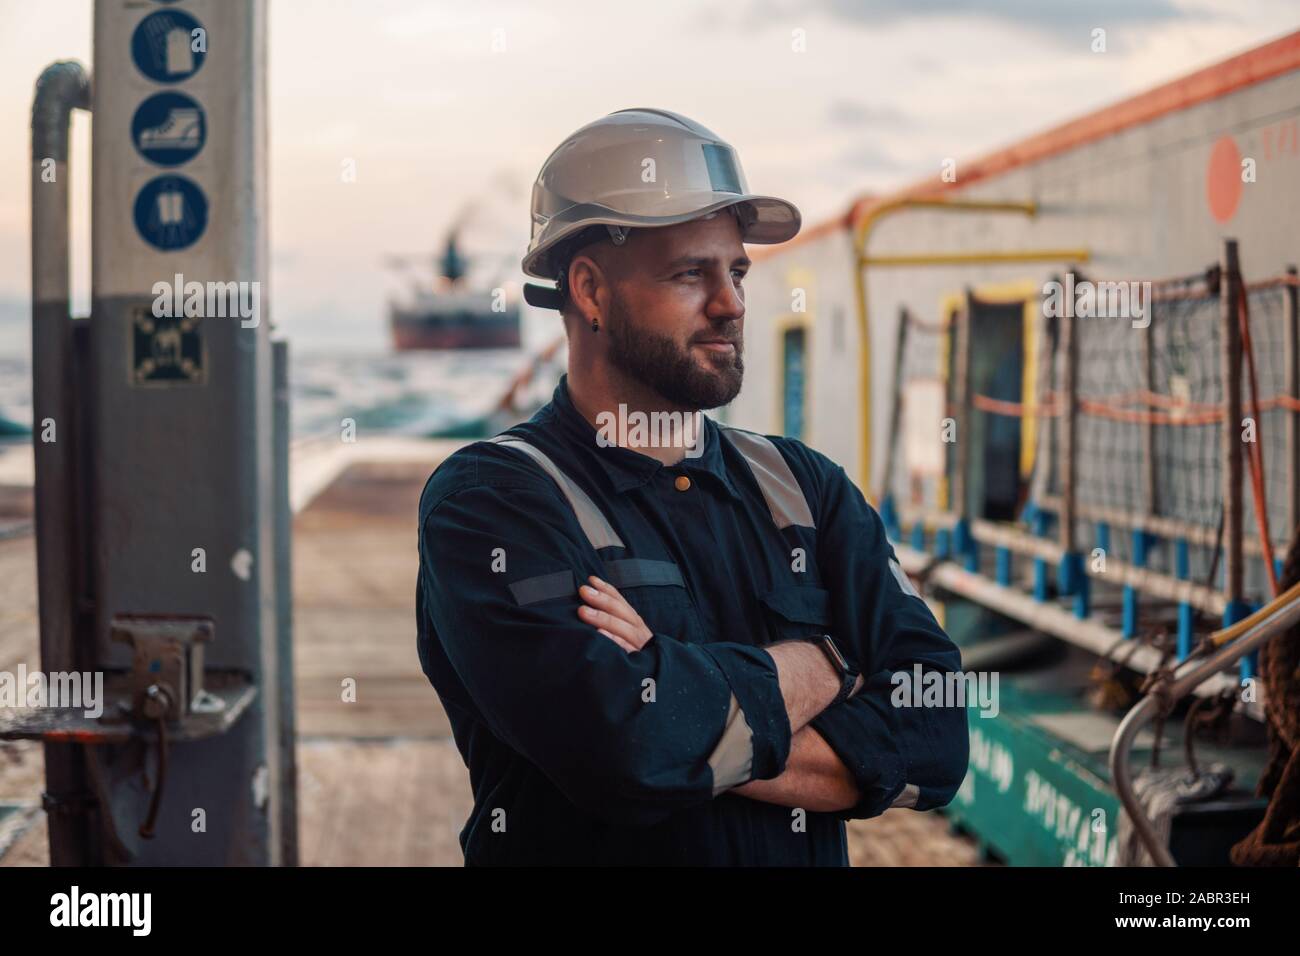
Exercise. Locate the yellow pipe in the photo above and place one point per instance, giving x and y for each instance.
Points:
(978, 258)
(862, 234)
(1229, 634)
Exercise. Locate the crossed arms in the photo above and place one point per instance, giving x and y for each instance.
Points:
(814, 776)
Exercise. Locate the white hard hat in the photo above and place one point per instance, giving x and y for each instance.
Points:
(638, 168)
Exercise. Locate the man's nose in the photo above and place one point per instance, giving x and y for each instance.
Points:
(727, 302)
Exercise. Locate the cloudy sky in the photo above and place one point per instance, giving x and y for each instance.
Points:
(438, 120)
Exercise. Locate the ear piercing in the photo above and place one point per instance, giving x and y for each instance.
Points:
(595, 324)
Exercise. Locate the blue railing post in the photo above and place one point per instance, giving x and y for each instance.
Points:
(1183, 571)
(1003, 557)
(1038, 524)
(1141, 544)
(1071, 579)
(964, 544)
(942, 542)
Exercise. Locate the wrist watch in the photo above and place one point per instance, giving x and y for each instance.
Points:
(848, 675)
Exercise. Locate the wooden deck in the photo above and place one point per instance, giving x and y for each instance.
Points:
(380, 780)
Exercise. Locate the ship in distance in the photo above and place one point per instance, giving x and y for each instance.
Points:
(451, 313)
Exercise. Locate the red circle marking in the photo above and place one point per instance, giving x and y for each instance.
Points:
(1223, 179)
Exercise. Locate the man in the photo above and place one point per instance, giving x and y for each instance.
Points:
(680, 651)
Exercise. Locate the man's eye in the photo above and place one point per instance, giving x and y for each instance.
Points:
(739, 273)
(689, 272)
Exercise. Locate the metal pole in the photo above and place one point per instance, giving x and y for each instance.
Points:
(1149, 483)
(1069, 412)
(286, 803)
(1231, 444)
(1292, 358)
(62, 87)
(962, 390)
(1043, 365)
(896, 405)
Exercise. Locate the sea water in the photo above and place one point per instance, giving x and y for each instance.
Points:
(408, 393)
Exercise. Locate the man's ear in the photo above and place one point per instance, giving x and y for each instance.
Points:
(588, 287)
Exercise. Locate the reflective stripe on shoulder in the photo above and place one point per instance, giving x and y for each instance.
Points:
(785, 499)
(594, 525)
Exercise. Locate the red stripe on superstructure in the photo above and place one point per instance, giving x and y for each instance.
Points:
(1246, 69)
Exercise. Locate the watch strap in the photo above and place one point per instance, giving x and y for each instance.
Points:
(848, 676)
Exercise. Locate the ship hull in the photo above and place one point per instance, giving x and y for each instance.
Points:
(412, 337)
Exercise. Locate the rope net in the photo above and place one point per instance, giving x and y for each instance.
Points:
(1149, 403)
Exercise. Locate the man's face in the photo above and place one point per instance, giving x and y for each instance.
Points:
(677, 311)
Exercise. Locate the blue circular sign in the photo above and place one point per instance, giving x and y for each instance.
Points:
(163, 46)
(169, 128)
(171, 212)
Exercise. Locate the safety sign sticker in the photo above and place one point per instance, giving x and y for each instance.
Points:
(169, 46)
(165, 350)
(171, 212)
(169, 128)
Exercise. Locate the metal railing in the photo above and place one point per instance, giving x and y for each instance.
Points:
(1222, 649)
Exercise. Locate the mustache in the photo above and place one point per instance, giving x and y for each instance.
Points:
(729, 333)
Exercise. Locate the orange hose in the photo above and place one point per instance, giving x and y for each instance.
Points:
(1110, 406)
(1101, 409)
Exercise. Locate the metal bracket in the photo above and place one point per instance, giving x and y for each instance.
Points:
(168, 654)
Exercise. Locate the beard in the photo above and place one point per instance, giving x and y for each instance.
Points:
(671, 368)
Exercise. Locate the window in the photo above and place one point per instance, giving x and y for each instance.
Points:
(794, 385)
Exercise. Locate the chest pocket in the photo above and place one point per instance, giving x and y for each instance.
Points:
(659, 594)
(797, 611)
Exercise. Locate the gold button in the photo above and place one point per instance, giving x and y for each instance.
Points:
(682, 483)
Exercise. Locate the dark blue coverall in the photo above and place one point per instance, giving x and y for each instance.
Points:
(581, 753)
